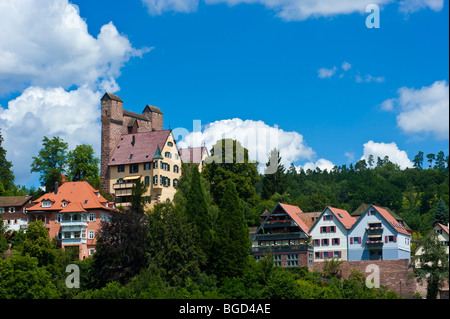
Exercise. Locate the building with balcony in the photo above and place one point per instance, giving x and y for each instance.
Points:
(377, 235)
(72, 214)
(153, 158)
(13, 211)
(330, 232)
(284, 235)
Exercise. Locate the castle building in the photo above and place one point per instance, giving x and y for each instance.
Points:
(135, 146)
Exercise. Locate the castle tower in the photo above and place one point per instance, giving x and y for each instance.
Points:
(116, 121)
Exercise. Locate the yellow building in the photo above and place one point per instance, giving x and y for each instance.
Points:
(151, 157)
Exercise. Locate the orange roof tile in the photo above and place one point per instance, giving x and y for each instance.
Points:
(80, 195)
(391, 220)
(293, 212)
(343, 216)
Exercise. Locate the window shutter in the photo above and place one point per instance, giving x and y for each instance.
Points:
(359, 240)
(323, 217)
(351, 240)
(395, 239)
(339, 254)
(386, 239)
(321, 254)
(338, 241)
(328, 229)
(331, 217)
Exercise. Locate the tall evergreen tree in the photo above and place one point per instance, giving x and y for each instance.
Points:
(231, 239)
(418, 160)
(274, 180)
(6, 174)
(197, 211)
(441, 213)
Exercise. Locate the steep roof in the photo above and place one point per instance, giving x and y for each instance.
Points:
(444, 227)
(138, 147)
(80, 197)
(109, 96)
(343, 216)
(363, 208)
(192, 154)
(309, 217)
(13, 200)
(151, 108)
(391, 220)
(293, 212)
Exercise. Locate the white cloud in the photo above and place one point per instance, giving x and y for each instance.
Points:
(46, 43)
(425, 110)
(369, 78)
(386, 149)
(326, 73)
(322, 163)
(346, 66)
(73, 115)
(157, 7)
(258, 137)
(410, 6)
(58, 69)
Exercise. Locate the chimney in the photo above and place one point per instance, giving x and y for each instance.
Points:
(56, 188)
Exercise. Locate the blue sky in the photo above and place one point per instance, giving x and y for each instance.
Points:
(334, 89)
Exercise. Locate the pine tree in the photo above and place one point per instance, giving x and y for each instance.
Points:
(231, 237)
(274, 180)
(441, 213)
(197, 211)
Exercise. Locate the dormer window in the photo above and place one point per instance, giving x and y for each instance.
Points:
(64, 203)
(46, 203)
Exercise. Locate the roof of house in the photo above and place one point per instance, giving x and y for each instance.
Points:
(111, 97)
(444, 227)
(80, 196)
(293, 212)
(192, 154)
(391, 220)
(343, 216)
(363, 208)
(309, 218)
(138, 147)
(13, 200)
(135, 115)
(152, 109)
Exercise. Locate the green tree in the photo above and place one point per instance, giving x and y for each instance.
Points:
(418, 160)
(51, 162)
(431, 157)
(197, 211)
(173, 248)
(231, 240)
(441, 213)
(6, 174)
(82, 165)
(122, 248)
(138, 199)
(433, 265)
(229, 160)
(440, 161)
(274, 180)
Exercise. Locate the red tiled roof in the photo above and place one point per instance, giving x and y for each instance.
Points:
(343, 216)
(444, 227)
(80, 195)
(143, 149)
(192, 154)
(293, 211)
(391, 220)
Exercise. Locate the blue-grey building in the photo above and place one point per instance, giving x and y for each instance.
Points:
(377, 235)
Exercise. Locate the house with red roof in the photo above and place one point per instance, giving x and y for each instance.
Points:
(13, 211)
(285, 235)
(377, 235)
(194, 155)
(330, 232)
(72, 214)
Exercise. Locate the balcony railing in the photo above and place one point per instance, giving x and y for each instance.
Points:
(279, 248)
(279, 236)
(122, 185)
(73, 241)
(66, 223)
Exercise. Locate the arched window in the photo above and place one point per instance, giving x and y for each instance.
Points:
(147, 181)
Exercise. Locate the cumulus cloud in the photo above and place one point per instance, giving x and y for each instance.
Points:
(48, 57)
(322, 163)
(46, 43)
(324, 73)
(424, 110)
(258, 137)
(73, 116)
(294, 10)
(386, 149)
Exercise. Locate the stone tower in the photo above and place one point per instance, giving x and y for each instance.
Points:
(116, 121)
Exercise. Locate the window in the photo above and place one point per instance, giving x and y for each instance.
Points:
(316, 242)
(2, 210)
(335, 241)
(155, 164)
(91, 234)
(146, 166)
(169, 143)
(310, 259)
(91, 251)
(131, 156)
(12, 210)
(328, 217)
(355, 240)
(168, 154)
(175, 169)
(337, 254)
(155, 180)
(390, 239)
(46, 203)
(328, 229)
(64, 203)
(175, 182)
(292, 260)
(58, 218)
(147, 181)
(120, 168)
(325, 242)
(92, 217)
(277, 260)
(134, 168)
